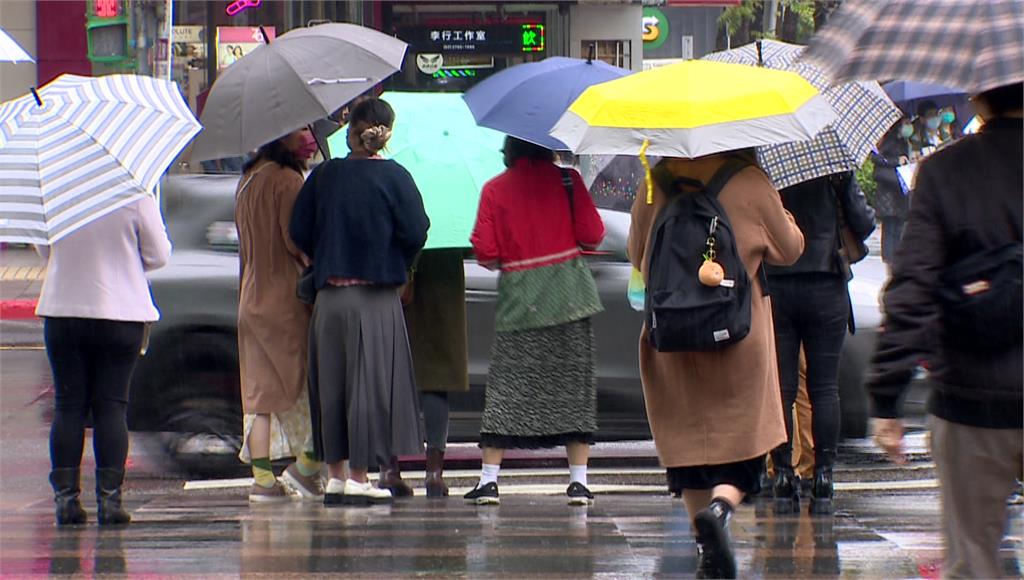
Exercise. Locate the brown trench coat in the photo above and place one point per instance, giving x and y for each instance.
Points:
(436, 319)
(273, 325)
(717, 407)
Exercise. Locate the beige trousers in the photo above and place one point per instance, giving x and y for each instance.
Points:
(977, 470)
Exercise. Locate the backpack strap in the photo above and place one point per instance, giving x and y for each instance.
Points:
(567, 184)
(727, 171)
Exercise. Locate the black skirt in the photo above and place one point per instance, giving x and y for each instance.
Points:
(744, 475)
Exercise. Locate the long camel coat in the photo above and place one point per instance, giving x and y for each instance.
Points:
(717, 407)
(273, 325)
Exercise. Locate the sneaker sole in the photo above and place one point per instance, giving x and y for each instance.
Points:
(333, 499)
(715, 538)
(484, 501)
(364, 500)
(269, 499)
(581, 501)
(293, 483)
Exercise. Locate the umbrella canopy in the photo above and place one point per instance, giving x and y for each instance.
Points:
(451, 158)
(84, 147)
(907, 94)
(302, 76)
(863, 115)
(974, 45)
(526, 100)
(692, 109)
(10, 51)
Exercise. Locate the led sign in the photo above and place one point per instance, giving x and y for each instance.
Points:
(240, 5)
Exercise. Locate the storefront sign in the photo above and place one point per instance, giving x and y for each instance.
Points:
(488, 39)
(107, 8)
(234, 42)
(192, 34)
(654, 28)
(429, 63)
(240, 5)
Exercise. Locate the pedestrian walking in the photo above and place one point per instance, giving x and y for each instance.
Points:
(95, 304)
(926, 128)
(892, 203)
(273, 325)
(954, 302)
(361, 221)
(715, 414)
(542, 387)
(436, 320)
(811, 310)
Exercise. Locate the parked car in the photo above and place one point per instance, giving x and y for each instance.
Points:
(187, 384)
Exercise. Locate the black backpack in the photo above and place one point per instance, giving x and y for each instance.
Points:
(682, 313)
(982, 299)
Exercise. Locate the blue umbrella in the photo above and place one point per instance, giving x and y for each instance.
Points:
(526, 100)
(906, 94)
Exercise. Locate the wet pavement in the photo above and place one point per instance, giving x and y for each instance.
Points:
(881, 529)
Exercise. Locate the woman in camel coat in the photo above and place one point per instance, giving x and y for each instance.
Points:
(715, 414)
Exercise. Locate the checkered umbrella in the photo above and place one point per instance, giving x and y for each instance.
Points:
(975, 45)
(863, 115)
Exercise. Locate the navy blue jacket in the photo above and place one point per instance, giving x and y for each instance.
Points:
(360, 219)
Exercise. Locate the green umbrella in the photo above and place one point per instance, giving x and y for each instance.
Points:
(436, 138)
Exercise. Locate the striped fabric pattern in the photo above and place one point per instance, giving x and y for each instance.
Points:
(863, 115)
(975, 45)
(94, 145)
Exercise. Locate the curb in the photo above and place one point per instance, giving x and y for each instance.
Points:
(18, 309)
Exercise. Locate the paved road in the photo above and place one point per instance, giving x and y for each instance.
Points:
(886, 524)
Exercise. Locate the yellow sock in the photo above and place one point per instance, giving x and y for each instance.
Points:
(307, 464)
(263, 472)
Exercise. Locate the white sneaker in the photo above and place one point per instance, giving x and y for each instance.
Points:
(356, 493)
(334, 492)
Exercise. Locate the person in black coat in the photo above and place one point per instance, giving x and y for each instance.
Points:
(811, 309)
(967, 201)
(891, 203)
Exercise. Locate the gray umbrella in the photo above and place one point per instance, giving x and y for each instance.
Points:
(300, 77)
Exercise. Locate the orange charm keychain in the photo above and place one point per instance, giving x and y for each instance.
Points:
(711, 272)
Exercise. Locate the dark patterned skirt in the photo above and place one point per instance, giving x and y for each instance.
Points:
(744, 475)
(542, 388)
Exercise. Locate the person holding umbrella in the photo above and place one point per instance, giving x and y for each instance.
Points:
(892, 203)
(273, 325)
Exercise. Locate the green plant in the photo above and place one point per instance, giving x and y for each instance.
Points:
(866, 181)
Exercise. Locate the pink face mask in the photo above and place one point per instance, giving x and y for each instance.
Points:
(308, 148)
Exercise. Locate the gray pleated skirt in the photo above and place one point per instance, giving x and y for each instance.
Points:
(362, 391)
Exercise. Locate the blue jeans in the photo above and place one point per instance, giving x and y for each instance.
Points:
(810, 311)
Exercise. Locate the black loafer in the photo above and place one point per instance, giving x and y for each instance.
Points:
(486, 495)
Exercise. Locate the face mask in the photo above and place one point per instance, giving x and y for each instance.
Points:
(906, 131)
(308, 148)
(948, 117)
(933, 122)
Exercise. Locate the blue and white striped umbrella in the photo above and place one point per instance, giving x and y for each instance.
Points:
(84, 147)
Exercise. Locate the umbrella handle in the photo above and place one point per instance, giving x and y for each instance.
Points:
(760, 54)
(39, 101)
(266, 38)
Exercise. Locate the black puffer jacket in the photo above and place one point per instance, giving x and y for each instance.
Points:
(814, 207)
(967, 198)
(890, 201)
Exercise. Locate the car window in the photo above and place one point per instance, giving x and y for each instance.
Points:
(616, 226)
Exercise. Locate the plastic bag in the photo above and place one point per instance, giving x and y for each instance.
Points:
(636, 292)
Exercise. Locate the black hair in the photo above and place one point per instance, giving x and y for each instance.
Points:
(373, 112)
(516, 149)
(276, 151)
(1004, 99)
(925, 106)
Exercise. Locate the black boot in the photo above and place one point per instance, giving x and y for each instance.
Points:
(787, 490)
(711, 524)
(108, 497)
(66, 489)
(434, 480)
(822, 490)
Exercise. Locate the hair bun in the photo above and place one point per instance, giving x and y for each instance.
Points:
(375, 138)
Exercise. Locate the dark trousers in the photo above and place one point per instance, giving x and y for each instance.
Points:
(92, 362)
(812, 311)
(892, 233)
(435, 418)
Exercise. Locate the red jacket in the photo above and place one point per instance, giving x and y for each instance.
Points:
(523, 221)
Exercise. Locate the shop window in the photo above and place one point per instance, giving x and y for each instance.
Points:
(614, 52)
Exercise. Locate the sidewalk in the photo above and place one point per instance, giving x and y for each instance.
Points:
(21, 280)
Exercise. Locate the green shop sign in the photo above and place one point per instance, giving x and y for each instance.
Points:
(655, 28)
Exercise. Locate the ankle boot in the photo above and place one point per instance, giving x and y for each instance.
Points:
(436, 486)
(391, 479)
(822, 490)
(108, 497)
(66, 489)
(787, 490)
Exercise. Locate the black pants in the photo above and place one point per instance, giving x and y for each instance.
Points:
(810, 310)
(92, 362)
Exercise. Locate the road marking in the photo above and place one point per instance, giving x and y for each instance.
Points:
(23, 347)
(22, 273)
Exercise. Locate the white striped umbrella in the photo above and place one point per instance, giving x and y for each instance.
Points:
(83, 147)
(10, 51)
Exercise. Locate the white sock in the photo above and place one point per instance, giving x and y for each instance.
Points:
(578, 473)
(489, 474)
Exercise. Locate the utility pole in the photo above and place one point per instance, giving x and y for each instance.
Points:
(770, 9)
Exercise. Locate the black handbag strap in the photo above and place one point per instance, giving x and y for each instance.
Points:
(567, 184)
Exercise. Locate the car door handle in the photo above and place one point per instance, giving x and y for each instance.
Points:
(481, 295)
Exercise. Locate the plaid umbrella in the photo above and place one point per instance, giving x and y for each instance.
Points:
(863, 115)
(82, 147)
(972, 44)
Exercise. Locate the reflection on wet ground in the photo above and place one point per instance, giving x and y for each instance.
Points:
(622, 536)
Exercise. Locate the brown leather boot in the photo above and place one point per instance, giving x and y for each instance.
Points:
(391, 478)
(435, 466)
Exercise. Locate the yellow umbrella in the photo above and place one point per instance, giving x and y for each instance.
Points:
(692, 109)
